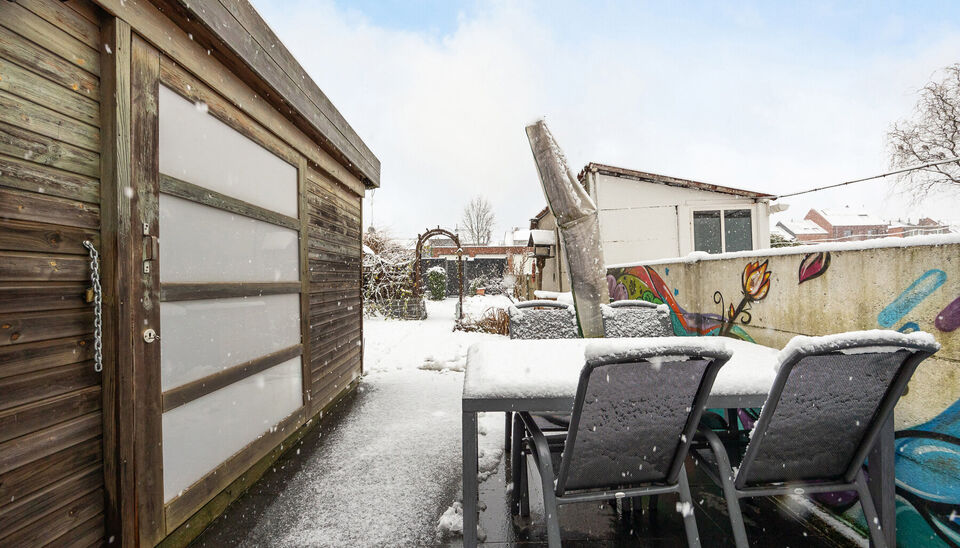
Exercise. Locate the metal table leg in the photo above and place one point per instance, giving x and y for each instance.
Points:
(882, 486)
(470, 483)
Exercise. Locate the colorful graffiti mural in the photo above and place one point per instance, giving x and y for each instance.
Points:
(755, 283)
(813, 266)
(919, 290)
(928, 458)
(643, 283)
(949, 318)
(897, 292)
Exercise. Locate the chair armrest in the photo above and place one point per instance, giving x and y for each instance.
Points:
(704, 433)
(539, 446)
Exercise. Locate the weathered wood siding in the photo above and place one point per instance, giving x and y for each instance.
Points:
(336, 323)
(51, 477)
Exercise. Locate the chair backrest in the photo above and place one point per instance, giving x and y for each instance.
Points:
(542, 320)
(636, 411)
(827, 404)
(636, 319)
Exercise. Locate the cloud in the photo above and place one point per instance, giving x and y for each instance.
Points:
(740, 97)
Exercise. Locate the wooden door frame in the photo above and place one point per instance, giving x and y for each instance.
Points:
(133, 456)
(148, 406)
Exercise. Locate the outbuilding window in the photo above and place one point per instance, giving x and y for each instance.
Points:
(720, 230)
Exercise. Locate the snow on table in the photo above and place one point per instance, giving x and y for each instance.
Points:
(525, 369)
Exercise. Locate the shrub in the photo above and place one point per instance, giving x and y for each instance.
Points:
(437, 283)
(492, 286)
(494, 320)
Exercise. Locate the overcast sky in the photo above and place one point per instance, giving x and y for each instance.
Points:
(767, 98)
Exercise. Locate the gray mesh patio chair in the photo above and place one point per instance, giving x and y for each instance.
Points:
(542, 320)
(538, 319)
(829, 400)
(636, 319)
(635, 414)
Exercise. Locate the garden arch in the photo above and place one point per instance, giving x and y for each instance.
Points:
(421, 239)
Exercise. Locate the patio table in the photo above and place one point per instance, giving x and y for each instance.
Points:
(542, 376)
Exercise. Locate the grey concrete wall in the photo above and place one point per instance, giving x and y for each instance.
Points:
(831, 290)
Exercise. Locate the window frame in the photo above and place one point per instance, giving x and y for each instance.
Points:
(723, 233)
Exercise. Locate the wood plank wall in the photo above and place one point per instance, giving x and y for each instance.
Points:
(334, 254)
(51, 477)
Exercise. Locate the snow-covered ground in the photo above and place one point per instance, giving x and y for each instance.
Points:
(391, 468)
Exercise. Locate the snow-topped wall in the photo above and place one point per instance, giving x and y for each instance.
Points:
(771, 295)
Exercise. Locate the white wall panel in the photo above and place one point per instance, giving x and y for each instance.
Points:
(200, 149)
(200, 435)
(204, 244)
(202, 337)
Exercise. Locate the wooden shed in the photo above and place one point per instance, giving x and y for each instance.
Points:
(222, 191)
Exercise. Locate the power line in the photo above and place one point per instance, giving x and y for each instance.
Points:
(904, 170)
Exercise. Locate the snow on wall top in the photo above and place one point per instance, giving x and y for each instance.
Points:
(929, 239)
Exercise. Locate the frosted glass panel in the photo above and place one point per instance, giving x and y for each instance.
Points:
(205, 244)
(200, 435)
(200, 149)
(200, 338)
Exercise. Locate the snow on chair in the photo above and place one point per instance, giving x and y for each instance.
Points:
(636, 319)
(538, 319)
(830, 398)
(636, 410)
(542, 320)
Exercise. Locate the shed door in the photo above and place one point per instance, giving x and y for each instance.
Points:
(222, 266)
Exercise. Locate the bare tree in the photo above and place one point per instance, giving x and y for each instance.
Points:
(478, 220)
(932, 134)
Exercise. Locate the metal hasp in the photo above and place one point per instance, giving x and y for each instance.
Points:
(418, 282)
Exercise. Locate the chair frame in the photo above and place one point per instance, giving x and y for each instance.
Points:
(556, 494)
(735, 486)
(508, 416)
(633, 303)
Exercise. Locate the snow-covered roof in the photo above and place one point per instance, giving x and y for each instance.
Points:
(517, 237)
(542, 237)
(850, 217)
(779, 231)
(802, 226)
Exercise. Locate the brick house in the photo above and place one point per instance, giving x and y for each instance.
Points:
(924, 226)
(847, 224)
(803, 230)
(513, 254)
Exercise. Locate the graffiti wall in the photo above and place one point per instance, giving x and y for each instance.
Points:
(818, 290)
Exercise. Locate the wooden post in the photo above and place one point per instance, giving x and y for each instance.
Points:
(147, 407)
(117, 272)
(304, 229)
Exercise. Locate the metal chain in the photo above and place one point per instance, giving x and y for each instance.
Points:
(98, 306)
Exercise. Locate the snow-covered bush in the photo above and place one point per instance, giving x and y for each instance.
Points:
(486, 314)
(490, 285)
(387, 271)
(437, 283)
